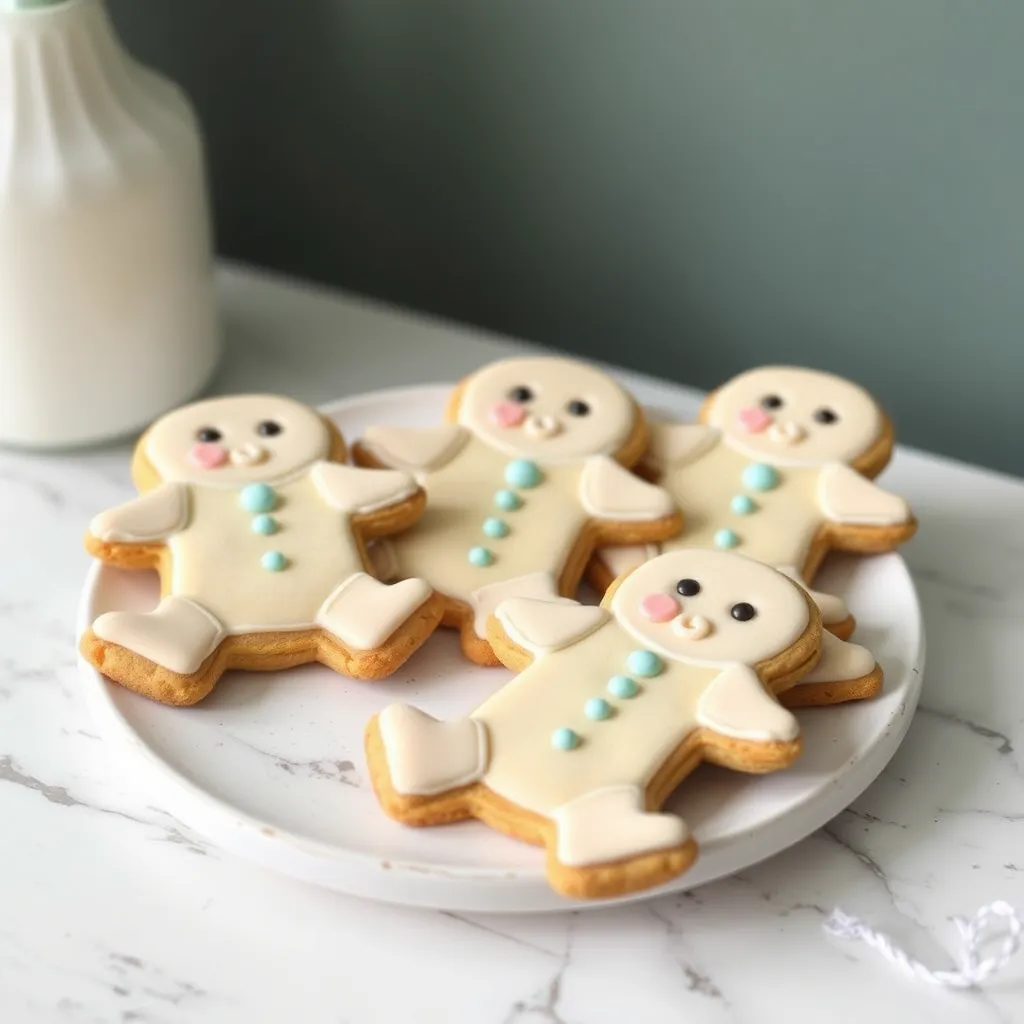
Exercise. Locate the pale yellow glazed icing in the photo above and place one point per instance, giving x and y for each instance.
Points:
(427, 756)
(417, 450)
(215, 559)
(610, 491)
(625, 749)
(460, 496)
(844, 496)
(152, 516)
(726, 579)
(549, 433)
(304, 439)
(611, 824)
(795, 437)
(577, 650)
(781, 530)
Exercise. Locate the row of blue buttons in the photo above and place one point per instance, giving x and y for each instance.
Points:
(522, 473)
(641, 663)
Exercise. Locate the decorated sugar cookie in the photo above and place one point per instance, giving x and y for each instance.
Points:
(526, 479)
(257, 531)
(611, 709)
(779, 470)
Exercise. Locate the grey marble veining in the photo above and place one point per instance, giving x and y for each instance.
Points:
(113, 911)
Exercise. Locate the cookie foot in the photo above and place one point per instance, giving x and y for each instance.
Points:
(485, 600)
(426, 757)
(606, 843)
(162, 654)
(178, 634)
(845, 672)
(363, 612)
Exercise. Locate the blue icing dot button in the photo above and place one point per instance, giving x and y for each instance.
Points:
(644, 664)
(523, 473)
(495, 528)
(726, 539)
(273, 561)
(743, 505)
(258, 498)
(264, 524)
(508, 501)
(622, 687)
(480, 556)
(597, 709)
(759, 476)
(565, 739)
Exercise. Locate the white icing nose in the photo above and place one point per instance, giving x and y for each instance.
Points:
(787, 432)
(250, 454)
(692, 627)
(543, 426)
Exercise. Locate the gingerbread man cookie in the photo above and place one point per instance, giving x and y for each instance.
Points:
(779, 470)
(257, 532)
(523, 483)
(612, 707)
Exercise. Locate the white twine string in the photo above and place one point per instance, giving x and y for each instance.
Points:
(992, 921)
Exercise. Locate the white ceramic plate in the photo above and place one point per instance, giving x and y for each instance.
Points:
(270, 766)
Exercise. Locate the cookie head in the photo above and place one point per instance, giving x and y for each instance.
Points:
(548, 409)
(236, 440)
(796, 417)
(711, 608)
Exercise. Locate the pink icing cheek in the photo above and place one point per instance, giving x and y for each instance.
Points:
(754, 419)
(508, 414)
(659, 607)
(208, 455)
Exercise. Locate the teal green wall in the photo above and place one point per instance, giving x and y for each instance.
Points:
(687, 188)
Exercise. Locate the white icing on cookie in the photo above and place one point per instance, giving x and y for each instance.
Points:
(237, 424)
(578, 735)
(795, 417)
(726, 582)
(846, 497)
(525, 408)
(609, 491)
(258, 531)
(154, 515)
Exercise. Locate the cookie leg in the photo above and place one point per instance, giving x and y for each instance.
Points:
(845, 672)
(835, 616)
(416, 762)
(365, 615)
(158, 653)
(484, 601)
(607, 844)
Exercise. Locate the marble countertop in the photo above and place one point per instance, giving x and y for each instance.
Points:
(113, 911)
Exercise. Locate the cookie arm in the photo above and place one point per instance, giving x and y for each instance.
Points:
(539, 626)
(413, 449)
(626, 509)
(849, 499)
(352, 489)
(153, 516)
(736, 705)
(676, 444)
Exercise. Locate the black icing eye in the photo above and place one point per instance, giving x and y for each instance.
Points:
(743, 612)
(577, 408)
(268, 428)
(521, 394)
(825, 416)
(688, 588)
(771, 402)
(207, 435)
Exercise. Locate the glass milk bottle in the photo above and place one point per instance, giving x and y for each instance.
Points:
(107, 306)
